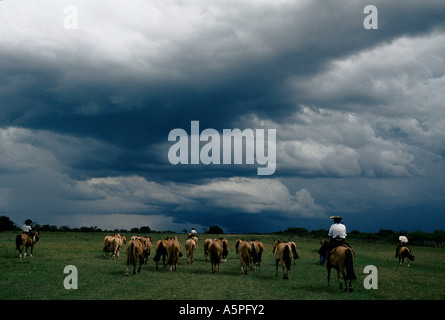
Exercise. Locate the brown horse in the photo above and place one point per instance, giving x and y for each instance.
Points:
(247, 254)
(207, 243)
(282, 251)
(173, 253)
(225, 252)
(259, 247)
(147, 246)
(190, 247)
(341, 258)
(135, 251)
(116, 245)
(215, 252)
(23, 241)
(161, 251)
(405, 252)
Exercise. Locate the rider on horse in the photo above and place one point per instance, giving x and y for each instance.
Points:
(403, 242)
(337, 234)
(27, 229)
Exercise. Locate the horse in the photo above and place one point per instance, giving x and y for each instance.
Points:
(282, 251)
(225, 252)
(259, 247)
(116, 245)
(108, 241)
(113, 244)
(135, 251)
(207, 243)
(215, 252)
(341, 258)
(293, 246)
(23, 241)
(405, 252)
(190, 247)
(247, 253)
(161, 251)
(147, 246)
(173, 253)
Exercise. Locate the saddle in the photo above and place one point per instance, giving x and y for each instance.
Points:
(337, 242)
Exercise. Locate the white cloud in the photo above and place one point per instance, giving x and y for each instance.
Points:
(321, 142)
(250, 195)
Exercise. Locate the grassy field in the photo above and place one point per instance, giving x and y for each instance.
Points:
(100, 278)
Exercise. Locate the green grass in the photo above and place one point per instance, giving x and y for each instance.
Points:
(100, 278)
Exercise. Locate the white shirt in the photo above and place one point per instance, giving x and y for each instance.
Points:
(337, 230)
(403, 239)
(26, 228)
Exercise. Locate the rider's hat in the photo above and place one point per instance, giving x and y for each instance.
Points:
(335, 217)
(28, 221)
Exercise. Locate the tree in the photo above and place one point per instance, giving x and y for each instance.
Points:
(145, 229)
(215, 230)
(6, 224)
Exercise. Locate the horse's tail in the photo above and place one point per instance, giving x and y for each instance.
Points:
(254, 254)
(294, 251)
(225, 252)
(409, 255)
(18, 242)
(286, 257)
(157, 256)
(237, 245)
(132, 253)
(350, 274)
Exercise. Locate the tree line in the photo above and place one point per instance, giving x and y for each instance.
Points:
(434, 239)
(7, 225)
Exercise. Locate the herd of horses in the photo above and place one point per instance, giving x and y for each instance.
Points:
(138, 249)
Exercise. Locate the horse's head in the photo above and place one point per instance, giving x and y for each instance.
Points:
(275, 244)
(323, 243)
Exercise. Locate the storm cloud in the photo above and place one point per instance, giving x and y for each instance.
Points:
(85, 112)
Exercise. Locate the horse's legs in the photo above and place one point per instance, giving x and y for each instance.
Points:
(285, 275)
(350, 285)
(340, 270)
(32, 247)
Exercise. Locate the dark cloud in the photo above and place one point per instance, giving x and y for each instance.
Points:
(98, 102)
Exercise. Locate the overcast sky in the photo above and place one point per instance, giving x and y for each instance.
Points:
(85, 112)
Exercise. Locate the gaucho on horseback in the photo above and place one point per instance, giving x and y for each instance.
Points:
(339, 255)
(27, 239)
(337, 235)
